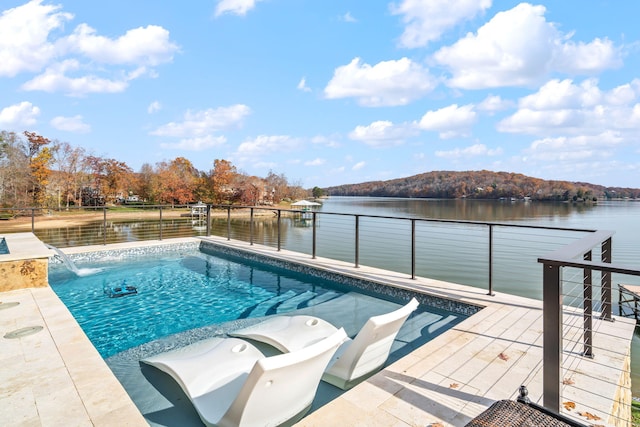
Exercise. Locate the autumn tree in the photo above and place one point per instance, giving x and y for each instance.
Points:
(118, 179)
(249, 190)
(68, 163)
(222, 176)
(145, 183)
(278, 186)
(177, 181)
(40, 159)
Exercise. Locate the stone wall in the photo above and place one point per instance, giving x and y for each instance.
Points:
(24, 273)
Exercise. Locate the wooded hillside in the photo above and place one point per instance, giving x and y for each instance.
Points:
(481, 185)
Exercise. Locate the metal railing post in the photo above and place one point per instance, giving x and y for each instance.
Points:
(413, 249)
(160, 230)
(279, 216)
(33, 220)
(251, 228)
(552, 336)
(491, 260)
(587, 321)
(104, 225)
(606, 281)
(208, 220)
(357, 237)
(313, 241)
(229, 222)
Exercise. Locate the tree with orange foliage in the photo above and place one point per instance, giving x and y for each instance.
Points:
(222, 176)
(176, 181)
(40, 159)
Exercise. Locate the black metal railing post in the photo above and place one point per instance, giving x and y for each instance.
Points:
(33, 220)
(229, 222)
(606, 281)
(587, 318)
(357, 243)
(552, 336)
(279, 216)
(251, 228)
(160, 225)
(413, 249)
(491, 260)
(104, 225)
(208, 220)
(313, 241)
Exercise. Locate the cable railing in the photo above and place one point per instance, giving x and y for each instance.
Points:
(575, 282)
(579, 329)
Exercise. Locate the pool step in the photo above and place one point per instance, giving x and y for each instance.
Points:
(322, 298)
(262, 308)
(293, 303)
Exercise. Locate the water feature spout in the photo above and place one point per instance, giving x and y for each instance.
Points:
(70, 264)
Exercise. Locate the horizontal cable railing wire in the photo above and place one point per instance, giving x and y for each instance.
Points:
(577, 358)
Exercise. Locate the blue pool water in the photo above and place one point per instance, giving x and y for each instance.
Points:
(178, 292)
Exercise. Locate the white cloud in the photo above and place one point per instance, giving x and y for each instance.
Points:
(426, 21)
(302, 85)
(71, 124)
(264, 145)
(81, 62)
(519, 47)
(494, 103)
(235, 7)
(204, 122)
(315, 162)
(450, 122)
(382, 133)
(565, 108)
(154, 107)
(198, 143)
(358, 166)
(347, 17)
(22, 114)
(326, 141)
(387, 83)
(24, 36)
(54, 79)
(571, 149)
(140, 46)
(475, 150)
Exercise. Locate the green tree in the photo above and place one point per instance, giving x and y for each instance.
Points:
(317, 192)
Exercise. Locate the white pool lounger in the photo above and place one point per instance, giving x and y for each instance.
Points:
(354, 361)
(231, 383)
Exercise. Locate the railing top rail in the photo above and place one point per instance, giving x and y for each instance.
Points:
(580, 247)
(271, 208)
(449, 221)
(571, 255)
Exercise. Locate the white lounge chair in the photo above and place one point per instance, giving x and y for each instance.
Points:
(231, 383)
(355, 360)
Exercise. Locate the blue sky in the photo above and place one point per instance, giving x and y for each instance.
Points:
(333, 92)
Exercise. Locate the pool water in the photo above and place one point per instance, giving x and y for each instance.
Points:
(177, 292)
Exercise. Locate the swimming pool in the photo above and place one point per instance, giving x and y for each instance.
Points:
(177, 291)
(197, 291)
